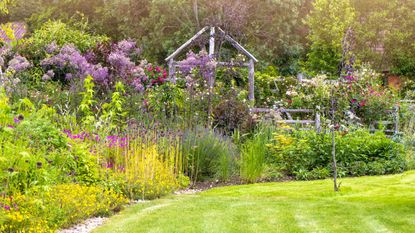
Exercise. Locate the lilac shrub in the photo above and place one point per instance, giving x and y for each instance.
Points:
(200, 63)
(105, 64)
(121, 60)
(10, 78)
(19, 64)
(72, 64)
(121, 64)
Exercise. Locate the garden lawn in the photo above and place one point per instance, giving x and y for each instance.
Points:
(365, 204)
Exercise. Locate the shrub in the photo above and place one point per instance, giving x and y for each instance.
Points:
(307, 155)
(271, 89)
(231, 114)
(41, 132)
(57, 207)
(54, 35)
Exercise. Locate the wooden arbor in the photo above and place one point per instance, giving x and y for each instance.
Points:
(217, 33)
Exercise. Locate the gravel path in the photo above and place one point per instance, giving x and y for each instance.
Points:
(85, 227)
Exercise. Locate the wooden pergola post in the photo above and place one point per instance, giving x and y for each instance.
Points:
(212, 55)
(211, 81)
(172, 71)
(251, 81)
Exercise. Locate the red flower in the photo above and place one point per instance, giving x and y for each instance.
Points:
(362, 103)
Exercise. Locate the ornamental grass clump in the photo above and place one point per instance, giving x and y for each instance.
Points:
(254, 153)
(207, 155)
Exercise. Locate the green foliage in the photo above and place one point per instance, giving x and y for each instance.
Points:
(113, 114)
(41, 132)
(208, 155)
(307, 155)
(254, 154)
(327, 22)
(56, 207)
(61, 34)
(4, 6)
(271, 88)
(165, 100)
(85, 107)
(378, 26)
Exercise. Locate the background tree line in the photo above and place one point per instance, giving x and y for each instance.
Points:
(294, 35)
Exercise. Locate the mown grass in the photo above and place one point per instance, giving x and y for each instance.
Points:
(365, 204)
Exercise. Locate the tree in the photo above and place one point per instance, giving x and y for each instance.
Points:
(385, 32)
(327, 22)
(4, 6)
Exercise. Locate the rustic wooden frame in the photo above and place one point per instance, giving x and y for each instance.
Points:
(214, 31)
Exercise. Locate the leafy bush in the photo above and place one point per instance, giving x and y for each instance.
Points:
(58, 34)
(41, 132)
(307, 155)
(271, 89)
(231, 114)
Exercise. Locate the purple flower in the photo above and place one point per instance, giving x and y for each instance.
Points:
(67, 131)
(100, 74)
(70, 61)
(6, 207)
(19, 63)
(121, 63)
(52, 47)
(68, 76)
(126, 46)
(48, 75)
(201, 61)
(349, 77)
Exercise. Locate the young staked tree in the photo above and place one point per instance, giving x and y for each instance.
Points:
(336, 110)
